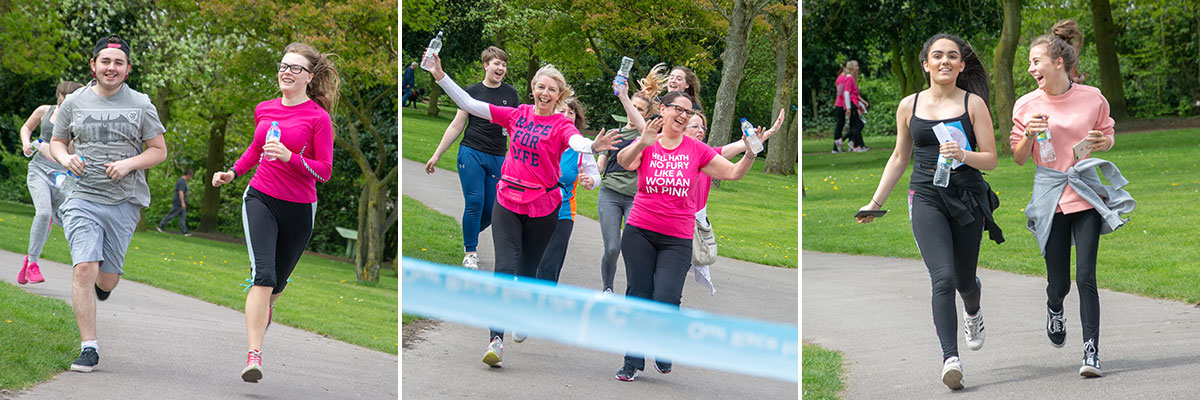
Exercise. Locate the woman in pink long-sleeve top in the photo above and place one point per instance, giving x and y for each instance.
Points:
(293, 150)
(1072, 113)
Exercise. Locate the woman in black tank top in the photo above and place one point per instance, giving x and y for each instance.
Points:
(947, 222)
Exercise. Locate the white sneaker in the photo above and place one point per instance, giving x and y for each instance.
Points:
(494, 353)
(952, 374)
(471, 261)
(519, 337)
(973, 328)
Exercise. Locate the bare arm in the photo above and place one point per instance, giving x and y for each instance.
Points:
(723, 169)
(635, 118)
(154, 153)
(452, 133)
(1024, 148)
(30, 125)
(897, 163)
(733, 149)
(630, 157)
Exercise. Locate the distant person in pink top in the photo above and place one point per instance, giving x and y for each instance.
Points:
(1073, 113)
(527, 197)
(657, 241)
(847, 92)
(281, 200)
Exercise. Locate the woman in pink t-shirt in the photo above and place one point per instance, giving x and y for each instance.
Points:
(1072, 113)
(527, 197)
(847, 92)
(280, 202)
(657, 241)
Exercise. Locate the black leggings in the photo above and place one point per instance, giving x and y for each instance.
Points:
(1084, 226)
(556, 251)
(520, 241)
(656, 267)
(856, 125)
(951, 253)
(277, 232)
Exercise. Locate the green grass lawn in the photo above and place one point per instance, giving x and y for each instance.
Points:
(822, 373)
(1152, 255)
(322, 297)
(753, 218)
(425, 233)
(38, 337)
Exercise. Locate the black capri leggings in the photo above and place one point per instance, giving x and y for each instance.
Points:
(854, 135)
(1084, 227)
(951, 253)
(520, 241)
(656, 267)
(277, 232)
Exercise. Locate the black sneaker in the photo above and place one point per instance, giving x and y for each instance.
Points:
(1091, 361)
(88, 358)
(101, 294)
(1056, 327)
(627, 373)
(663, 366)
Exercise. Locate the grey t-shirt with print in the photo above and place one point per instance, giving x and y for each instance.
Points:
(104, 130)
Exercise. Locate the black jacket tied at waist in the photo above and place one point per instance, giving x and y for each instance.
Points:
(967, 192)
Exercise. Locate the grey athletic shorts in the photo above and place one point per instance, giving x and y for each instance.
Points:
(100, 232)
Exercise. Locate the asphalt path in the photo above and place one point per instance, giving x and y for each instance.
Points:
(876, 311)
(444, 362)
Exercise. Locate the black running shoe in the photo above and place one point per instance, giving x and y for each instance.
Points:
(1091, 360)
(88, 358)
(663, 366)
(627, 373)
(101, 294)
(1056, 327)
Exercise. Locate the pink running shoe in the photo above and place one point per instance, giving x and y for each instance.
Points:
(253, 371)
(21, 274)
(33, 273)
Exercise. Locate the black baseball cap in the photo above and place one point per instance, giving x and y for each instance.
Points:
(111, 42)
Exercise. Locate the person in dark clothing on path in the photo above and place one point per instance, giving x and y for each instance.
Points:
(179, 204)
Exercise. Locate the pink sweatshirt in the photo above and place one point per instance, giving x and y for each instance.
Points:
(666, 200)
(534, 153)
(1071, 115)
(307, 131)
(848, 85)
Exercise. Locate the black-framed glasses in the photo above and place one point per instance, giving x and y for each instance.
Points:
(681, 109)
(295, 68)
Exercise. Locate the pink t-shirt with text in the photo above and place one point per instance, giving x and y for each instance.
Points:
(666, 200)
(1071, 116)
(307, 131)
(535, 149)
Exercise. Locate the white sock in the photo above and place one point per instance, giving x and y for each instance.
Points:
(89, 343)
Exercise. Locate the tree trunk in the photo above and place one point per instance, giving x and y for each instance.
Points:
(374, 225)
(1002, 75)
(210, 207)
(781, 157)
(531, 68)
(435, 92)
(733, 61)
(916, 73)
(898, 65)
(1110, 67)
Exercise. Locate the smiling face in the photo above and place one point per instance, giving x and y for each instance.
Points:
(944, 62)
(677, 81)
(546, 92)
(675, 117)
(642, 106)
(695, 127)
(110, 68)
(292, 83)
(1044, 69)
(494, 70)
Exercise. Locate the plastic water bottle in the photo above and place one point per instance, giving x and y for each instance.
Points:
(1047, 149)
(748, 130)
(435, 46)
(623, 75)
(941, 176)
(273, 134)
(36, 147)
(59, 178)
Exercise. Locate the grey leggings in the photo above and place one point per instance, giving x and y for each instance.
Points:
(611, 207)
(46, 202)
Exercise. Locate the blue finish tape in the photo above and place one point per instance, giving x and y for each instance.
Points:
(586, 318)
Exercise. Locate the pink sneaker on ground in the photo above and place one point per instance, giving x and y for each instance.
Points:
(253, 371)
(33, 273)
(21, 274)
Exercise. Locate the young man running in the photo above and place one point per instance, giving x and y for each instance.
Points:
(117, 135)
(179, 204)
(481, 153)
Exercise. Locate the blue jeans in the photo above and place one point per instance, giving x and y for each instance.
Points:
(478, 173)
(611, 208)
(404, 97)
